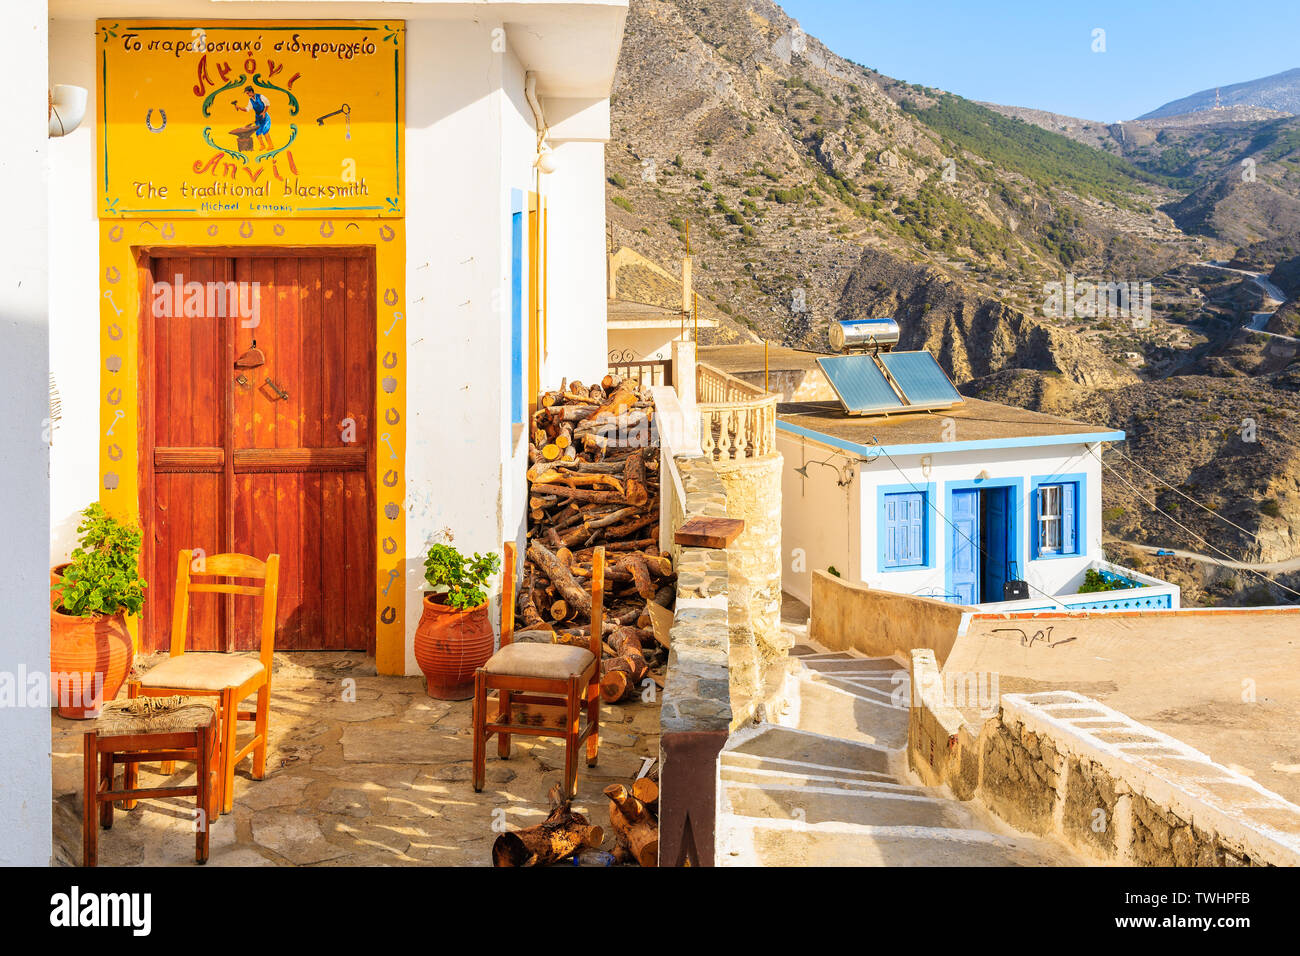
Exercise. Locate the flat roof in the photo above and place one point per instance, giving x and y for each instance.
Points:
(1226, 681)
(735, 359)
(978, 425)
(626, 314)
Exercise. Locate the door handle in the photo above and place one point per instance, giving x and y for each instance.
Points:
(280, 393)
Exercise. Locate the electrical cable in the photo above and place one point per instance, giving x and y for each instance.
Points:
(1175, 521)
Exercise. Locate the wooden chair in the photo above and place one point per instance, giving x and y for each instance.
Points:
(229, 677)
(187, 732)
(541, 687)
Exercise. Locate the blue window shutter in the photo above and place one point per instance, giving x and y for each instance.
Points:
(915, 530)
(1069, 527)
(890, 530)
(904, 529)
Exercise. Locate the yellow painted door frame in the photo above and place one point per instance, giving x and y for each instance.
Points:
(535, 267)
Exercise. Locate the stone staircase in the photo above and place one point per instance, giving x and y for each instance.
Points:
(827, 783)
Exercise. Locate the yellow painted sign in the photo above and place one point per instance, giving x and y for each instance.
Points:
(242, 119)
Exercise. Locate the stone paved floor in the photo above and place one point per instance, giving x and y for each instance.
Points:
(381, 780)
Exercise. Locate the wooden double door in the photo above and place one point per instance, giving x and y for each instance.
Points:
(257, 436)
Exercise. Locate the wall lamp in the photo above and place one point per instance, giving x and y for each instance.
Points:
(845, 471)
(67, 108)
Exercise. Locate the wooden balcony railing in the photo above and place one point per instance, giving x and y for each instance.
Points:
(737, 419)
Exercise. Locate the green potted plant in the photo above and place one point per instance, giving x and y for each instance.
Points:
(455, 636)
(90, 647)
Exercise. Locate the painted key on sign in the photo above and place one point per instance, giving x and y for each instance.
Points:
(385, 438)
(392, 576)
(118, 415)
(347, 119)
(108, 294)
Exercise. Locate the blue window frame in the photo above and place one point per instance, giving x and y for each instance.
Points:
(903, 528)
(1058, 504)
(516, 307)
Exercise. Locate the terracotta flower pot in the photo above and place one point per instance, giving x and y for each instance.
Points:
(450, 645)
(56, 582)
(90, 658)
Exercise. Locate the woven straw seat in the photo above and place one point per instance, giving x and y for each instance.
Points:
(121, 718)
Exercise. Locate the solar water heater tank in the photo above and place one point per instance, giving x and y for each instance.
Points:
(851, 334)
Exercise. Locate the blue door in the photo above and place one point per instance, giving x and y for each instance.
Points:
(997, 542)
(964, 559)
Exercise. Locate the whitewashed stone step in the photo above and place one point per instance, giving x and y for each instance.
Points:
(815, 805)
(767, 845)
(769, 776)
(789, 743)
(837, 713)
(740, 761)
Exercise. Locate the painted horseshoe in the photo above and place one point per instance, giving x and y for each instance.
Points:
(386, 233)
(278, 228)
(212, 229)
(390, 297)
(389, 545)
(114, 396)
(327, 229)
(114, 331)
(169, 230)
(114, 452)
(389, 360)
(112, 274)
(115, 234)
(390, 478)
(246, 229)
(388, 615)
(391, 416)
(148, 121)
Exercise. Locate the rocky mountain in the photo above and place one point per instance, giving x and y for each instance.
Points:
(811, 188)
(1280, 92)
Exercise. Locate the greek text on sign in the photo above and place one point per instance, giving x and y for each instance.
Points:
(244, 119)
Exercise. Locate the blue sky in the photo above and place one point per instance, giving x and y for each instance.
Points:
(1039, 54)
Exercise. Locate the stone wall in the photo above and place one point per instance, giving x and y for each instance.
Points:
(849, 615)
(1062, 765)
(712, 677)
(753, 491)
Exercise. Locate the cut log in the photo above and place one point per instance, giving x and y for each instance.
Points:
(647, 791)
(620, 676)
(562, 834)
(634, 564)
(637, 829)
(560, 577)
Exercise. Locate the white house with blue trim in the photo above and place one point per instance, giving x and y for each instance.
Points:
(977, 504)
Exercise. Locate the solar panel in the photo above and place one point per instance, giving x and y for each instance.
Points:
(860, 384)
(921, 380)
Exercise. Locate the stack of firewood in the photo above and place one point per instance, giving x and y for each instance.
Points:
(594, 480)
(634, 814)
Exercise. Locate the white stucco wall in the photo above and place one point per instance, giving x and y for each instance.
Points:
(820, 522)
(74, 299)
(824, 524)
(645, 343)
(576, 303)
(25, 808)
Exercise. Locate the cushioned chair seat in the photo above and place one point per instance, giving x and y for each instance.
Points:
(198, 671)
(117, 719)
(549, 661)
